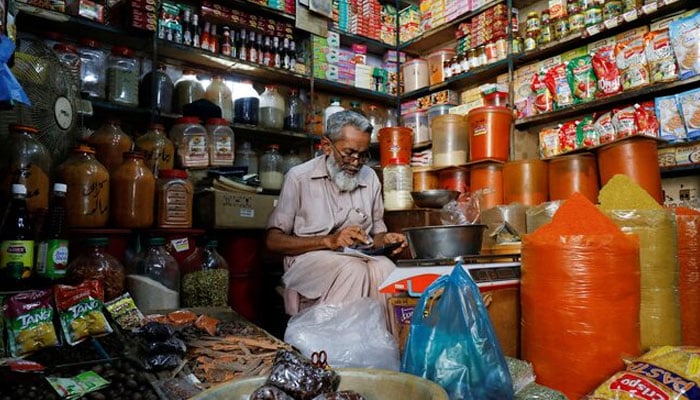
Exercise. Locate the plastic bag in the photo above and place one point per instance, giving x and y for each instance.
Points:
(452, 342)
(299, 378)
(353, 334)
(10, 89)
(466, 210)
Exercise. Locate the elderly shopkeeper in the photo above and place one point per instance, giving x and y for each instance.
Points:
(327, 203)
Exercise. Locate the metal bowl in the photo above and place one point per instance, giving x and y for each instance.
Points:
(444, 241)
(435, 198)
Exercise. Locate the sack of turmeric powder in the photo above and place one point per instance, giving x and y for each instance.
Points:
(666, 372)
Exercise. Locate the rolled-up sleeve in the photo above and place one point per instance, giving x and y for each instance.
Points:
(283, 215)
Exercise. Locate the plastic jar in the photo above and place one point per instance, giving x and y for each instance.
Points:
(154, 278)
(174, 199)
(207, 283)
(424, 178)
(87, 198)
(378, 121)
(332, 108)
(68, 55)
(27, 161)
(133, 188)
(395, 145)
(221, 142)
(246, 157)
(437, 110)
(110, 143)
(489, 133)
(272, 168)
(158, 150)
(164, 90)
(397, 184)
(573, 173)
(456, 178)
(187, 90)
(418, 121)
(218, 93)
(415, 75)
(488, 176)
(635, 157)
(123, 77)
(271, 108)
(450, 140)
(436, 60)
(95, 263)
(93, 68)
(190, 140)
(525, 182)
(246, 104)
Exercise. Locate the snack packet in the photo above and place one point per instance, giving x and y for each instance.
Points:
(632, 62)
(586, 135)
(623, 121)
(604, 128)
(124, 312)
(606, 71)
(556, 82)
(645, 119)
(30, 326)
(549, 142)
(567, 136)
(671, 124)
(581, 77)
(659, 53)
(685, 40)
(543, 97)
(80, 311)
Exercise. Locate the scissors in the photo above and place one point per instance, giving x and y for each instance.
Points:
(319, 359)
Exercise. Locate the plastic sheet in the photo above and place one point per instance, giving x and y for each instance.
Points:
(493, 218)
(688, 227)
(540, 215)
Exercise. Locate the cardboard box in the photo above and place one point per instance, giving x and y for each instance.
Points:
(219, 209)
(682, 191)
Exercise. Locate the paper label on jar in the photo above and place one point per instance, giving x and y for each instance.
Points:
(180, 245)
(193, 153)
(17, 258)
(222, 150)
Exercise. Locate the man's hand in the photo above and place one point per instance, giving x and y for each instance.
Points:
(347, 237)
(393, 237)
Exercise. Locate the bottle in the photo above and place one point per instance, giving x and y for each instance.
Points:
(546, 32)
(52, 250)
(221, 142)
(246, 104)
(356, 106)
(286, 60)
(87, 197)
(397, 186)
(94, 262)
(271, 168)
(291, 160)
(226, 42)
(213, 40)
(158, 150)
(187, 90)
(123, 76)
(378, 121)
(174, 199)
(164, 90)
(246, 157)
(186, 27)
(110, 143)
(292, 55)
(16, 242)
(133, 187)
(205, 36)
(295, 113)
(206, 284)
(267, 52)
(234, 40)
(333, 108)
(252, 48)
(196, 32)
(243, 45)
(190, 140)
(271, 108)
(261, 51)
(276, 53)
(218, 93)
(154, 277)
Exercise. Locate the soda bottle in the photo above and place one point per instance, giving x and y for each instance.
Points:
(52, 250)
(16, 242)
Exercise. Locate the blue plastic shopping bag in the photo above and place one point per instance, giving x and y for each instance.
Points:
(452, 342)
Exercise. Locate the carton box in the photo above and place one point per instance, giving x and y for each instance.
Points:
(220, 209)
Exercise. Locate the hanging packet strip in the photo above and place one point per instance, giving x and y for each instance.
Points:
(77, 386)
(80, 311)
(30, 326)
(10, 89)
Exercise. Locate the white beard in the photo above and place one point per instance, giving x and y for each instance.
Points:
(344, 181)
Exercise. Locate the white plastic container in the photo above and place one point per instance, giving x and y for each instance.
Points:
(221, 142)
(418, 121)
(397, 186)
(190, 139)
(415, 75)
(271, 108)
(330, 110)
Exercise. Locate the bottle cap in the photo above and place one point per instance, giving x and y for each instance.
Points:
(19, 188)
(173, 174)
(60, 187)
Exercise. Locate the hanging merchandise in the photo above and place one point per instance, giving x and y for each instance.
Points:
(88, 189)
(95, 263)
(154, 278)
(93, 68)
(295, 113)
(52, 249)
(246, 157)
(158, 150)
(110, 143)
(16, 242)
(123, 72)
(333, 108)
(246, 104)
(174, 199)
(163, 99)
(132, 188)
(191, 143)
(271, 169)
(187, 90)
(272, 108)
(218, 93)
(206, 284)
(221, 142)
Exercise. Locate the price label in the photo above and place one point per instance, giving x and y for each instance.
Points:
(593, 30)
(611, 23)
(630, 16)
(650, 8)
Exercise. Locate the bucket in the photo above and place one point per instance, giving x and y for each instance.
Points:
(489, 133)
(424, 179)
(243, 253)
(454, 179)
(395, 145)
(525, 182)
(487, 175)
(573, 173)
(636, 157)
(450, 140)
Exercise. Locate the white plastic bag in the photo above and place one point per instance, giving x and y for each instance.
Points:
(353, 334)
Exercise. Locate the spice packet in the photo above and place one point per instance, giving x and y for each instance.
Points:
(544, 102)
(77, 386)
(80, 311)
(662, 62)
(558, 86)
(124, 312)
(645, 119)
(30, 326)
(604, 128)
(623, 121)
(632, 62)
(581, 77)
(586, 135)
(671, 124)
(685, 40)
(605, 68)
(567, 136)
(549, 142)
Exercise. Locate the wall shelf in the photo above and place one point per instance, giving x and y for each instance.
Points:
(364, 94)
(373, 46)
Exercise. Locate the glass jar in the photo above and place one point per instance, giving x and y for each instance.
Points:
(221, 142)
(295, 113)
(271, 168)
(532, 23)
(123, 76)
(93, 68)
(481, 54)
(530, 42)
(163, 90)
(576, 20)
(291, 160)
(68, 56)
(561, 28)
(397, 184)
(190, 140)
(26, 161)
(593, 15)
(450, 140)
(154, 278)
(271, 108)
(378, 121)
(246, 157)
(546, 31)
(246, 104)
(158, 150)
(612, 9)
(187, 90)
(132, 188)
(474, 60)
(110, 143)
(95, 263)
(218, 93)
(174, 199)
(206, 285)
(87, 197)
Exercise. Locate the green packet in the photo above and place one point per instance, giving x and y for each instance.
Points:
(77, 386)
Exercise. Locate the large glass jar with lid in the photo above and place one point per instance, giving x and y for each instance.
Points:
(187, 90)
(291, 160)
(397, 184)
(272, 168)
(87, 197)
(93, 68)
(378, 121)
(246, 157)
(154, 277)
(163, 98)
(271, 108)
(246, 104)
(158, 150)
(190, 139)
(123, 72)
(218, 93)
(295, 112)
(110, 143)
(221, 142)
(27, 161)
(133, 188)
(94, 262)
(68, 56)
(206, 284)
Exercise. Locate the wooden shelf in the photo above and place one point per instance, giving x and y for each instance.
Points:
(441, 34)
(373, 46)
(629, 96)
(347, 90)
(679, 170)
(257, 9)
